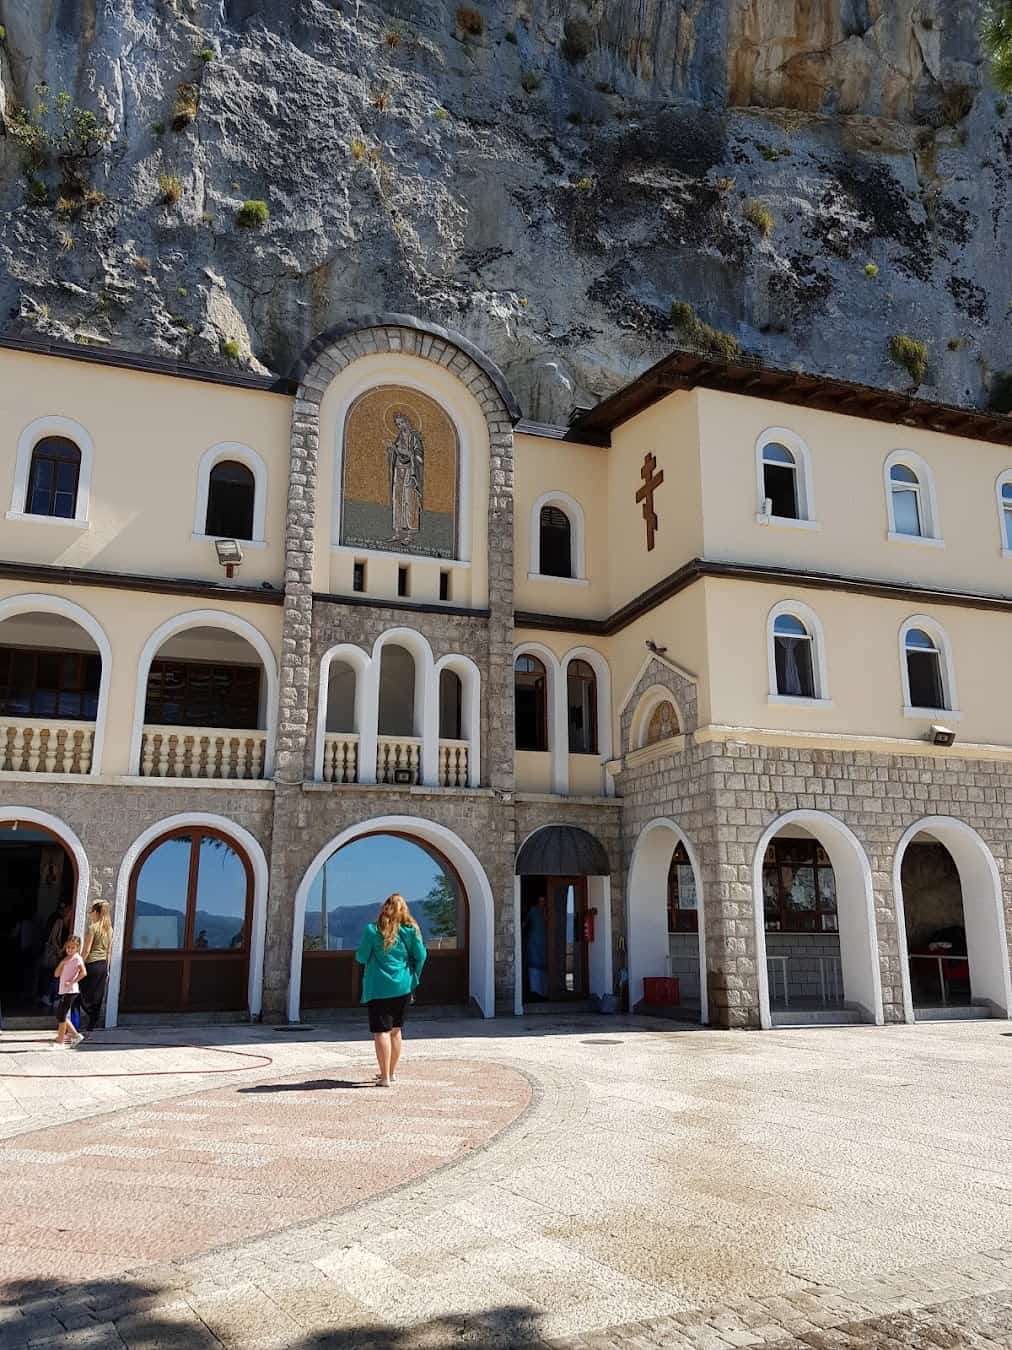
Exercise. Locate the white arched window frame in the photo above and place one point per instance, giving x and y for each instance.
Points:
(803, 487)
(556, 711)
(927, 503)
(602, 674)
(425, 715)
(820, 677)
(573, 512)
(360, 663)
(16, 605)
(946, 669)
(243, 455)
(207, 618)
(1003, 491)
(470, 710)
(33, 433)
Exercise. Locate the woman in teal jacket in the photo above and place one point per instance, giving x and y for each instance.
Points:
(393, 954)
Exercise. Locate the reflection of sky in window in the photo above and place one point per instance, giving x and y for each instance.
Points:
(161, 886)
(360, 876)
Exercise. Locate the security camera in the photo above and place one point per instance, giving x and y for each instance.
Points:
(941, 736)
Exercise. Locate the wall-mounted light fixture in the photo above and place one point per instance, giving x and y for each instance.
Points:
(229, 555)
(941, 736)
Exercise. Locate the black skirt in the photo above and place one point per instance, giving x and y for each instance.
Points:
(387, 1013)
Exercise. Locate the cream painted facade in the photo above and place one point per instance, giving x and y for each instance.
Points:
(386, 674)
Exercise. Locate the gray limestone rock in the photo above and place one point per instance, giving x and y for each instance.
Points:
(544, 176)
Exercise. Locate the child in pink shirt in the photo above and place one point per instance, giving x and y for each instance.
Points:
(70, 970)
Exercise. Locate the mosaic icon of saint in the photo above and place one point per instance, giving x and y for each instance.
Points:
(406, 457)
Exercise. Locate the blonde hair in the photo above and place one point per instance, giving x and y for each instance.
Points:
(73, 941)
(103, 921)
(394, 915)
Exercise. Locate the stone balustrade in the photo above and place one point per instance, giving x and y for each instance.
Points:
(453, 763)
(399, 759)
(340, 757)
(44, 745)
(202, 752)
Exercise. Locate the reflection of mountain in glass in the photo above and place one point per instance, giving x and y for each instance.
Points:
(436, 915)
(221, 930)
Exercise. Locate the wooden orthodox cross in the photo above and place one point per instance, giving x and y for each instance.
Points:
(645, 494)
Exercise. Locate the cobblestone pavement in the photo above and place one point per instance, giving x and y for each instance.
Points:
(821, 1188)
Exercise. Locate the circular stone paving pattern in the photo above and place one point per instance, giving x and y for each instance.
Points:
(181, 1176)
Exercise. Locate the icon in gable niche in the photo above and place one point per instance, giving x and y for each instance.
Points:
(400, 475)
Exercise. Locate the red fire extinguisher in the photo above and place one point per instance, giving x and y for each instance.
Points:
(588, 925)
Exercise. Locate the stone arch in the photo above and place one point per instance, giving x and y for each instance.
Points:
(983, 910)
(658, 673)
(62, 832)
(325, 357)
(479, 898)
(258, 861)
(859, 956)
(647, 705)
(646, 915)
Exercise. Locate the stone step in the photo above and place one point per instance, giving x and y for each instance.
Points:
(816, 1017)
(952, 1013)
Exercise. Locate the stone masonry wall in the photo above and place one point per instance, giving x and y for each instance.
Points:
(724, 796)
(298, 658)
(107, 818)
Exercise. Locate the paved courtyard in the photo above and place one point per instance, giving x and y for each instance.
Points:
(584, 1182)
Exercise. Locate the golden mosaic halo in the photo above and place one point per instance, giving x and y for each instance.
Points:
(414, 421)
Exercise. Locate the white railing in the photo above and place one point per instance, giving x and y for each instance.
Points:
(38, 745)
(202, 752)
(340, 757)
(453, 763)
(398, 759)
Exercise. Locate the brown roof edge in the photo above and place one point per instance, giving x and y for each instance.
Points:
(149, 365)
(688, 370)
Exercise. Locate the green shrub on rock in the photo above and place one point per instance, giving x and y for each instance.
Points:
(911, 354)
(252, 215)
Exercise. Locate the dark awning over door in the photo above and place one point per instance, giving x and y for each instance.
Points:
(562, 851)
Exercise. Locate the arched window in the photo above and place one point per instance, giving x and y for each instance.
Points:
(910, 498)
(451, 706)
(188, 926)
(1005, 512)
(905, 489)
(780, 482)
(581, 691)
(924, 668)
(556, 543)
(530, 701)
(231, 496)
(793, 658)
(683, 904)
(53, 478)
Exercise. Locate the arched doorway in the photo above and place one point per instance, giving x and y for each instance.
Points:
(817, 956)
(189, 925)
(562, 917)
(951, 922)
(666, 935)
(346, 894)
(40, 896)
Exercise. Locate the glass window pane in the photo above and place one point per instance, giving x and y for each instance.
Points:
(1008, 526)
(899, 473)
(780, 486)
(1006, 492)
(160, 905)
(686, 887)
(925, 680)
(220, 917)
(775, 453)
(906, 512)
(790, 626)
(918, 639)
(350, 888)
(827, 888)
(799, 887)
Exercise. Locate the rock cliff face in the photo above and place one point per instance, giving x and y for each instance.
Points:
(545, 176)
